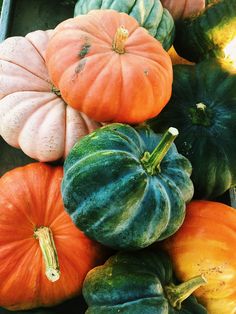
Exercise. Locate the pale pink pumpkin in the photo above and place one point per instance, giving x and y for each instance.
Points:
(181, 9)
(33, 117)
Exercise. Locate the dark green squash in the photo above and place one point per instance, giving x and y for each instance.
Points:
(208, 33)
(203, 108)
(121, 195)
(149, 13)
(139, 283)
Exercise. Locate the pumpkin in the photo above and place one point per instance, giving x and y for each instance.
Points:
(44, 257)
(33, 116)
(141, 282)
(207, 34)
(126, 188)
(203, 109)
(182, 9)
(151, 15)
(108, 67)
(205, 245)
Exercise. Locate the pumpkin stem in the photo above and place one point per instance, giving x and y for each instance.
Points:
(47, 245)
(177, 294)
(119, 40)
(55, 90)
(201, 115)
(151, 162)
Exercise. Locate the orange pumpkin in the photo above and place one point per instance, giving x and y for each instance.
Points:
(109, 67)
(182, 9)
(44, 257)
(205, 244)
(33, 116)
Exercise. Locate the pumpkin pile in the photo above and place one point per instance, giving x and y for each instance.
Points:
(128, 109)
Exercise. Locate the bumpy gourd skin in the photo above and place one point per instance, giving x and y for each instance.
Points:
(150, 14)
(134, 283)
(111, 197)
(207, 33)
(206, 137)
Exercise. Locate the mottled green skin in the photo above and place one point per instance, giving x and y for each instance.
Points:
(211, 149)
(206, 34)
(111, 197)
(134, 284)
(149, 13)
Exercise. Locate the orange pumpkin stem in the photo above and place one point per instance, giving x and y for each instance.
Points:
(120, 38)
(48, 248)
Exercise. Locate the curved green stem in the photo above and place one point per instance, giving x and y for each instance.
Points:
(47, 245)
(177, 294)
(151, 162)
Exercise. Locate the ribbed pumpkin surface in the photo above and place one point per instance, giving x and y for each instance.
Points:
(135, 284)
(32, 116)
(203, 108)
(150, 15)
(112, 198)
(205, 245)
(208, 33)
(106, 83)
(30, 198)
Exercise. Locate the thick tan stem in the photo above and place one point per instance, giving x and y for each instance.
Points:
(119, 40)
(47, 245)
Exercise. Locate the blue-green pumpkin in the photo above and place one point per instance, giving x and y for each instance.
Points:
(139, 283)
(203, 108)
(149, 13)
(126, 187)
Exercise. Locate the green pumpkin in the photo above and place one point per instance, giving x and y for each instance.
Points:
(139, 283)
(120, 193)
(208, 33)
(149, 13)
(203, 108)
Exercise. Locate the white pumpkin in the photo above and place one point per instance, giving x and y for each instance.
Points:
(33, 117)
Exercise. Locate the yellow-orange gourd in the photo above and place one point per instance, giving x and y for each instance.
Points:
(205, 244)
